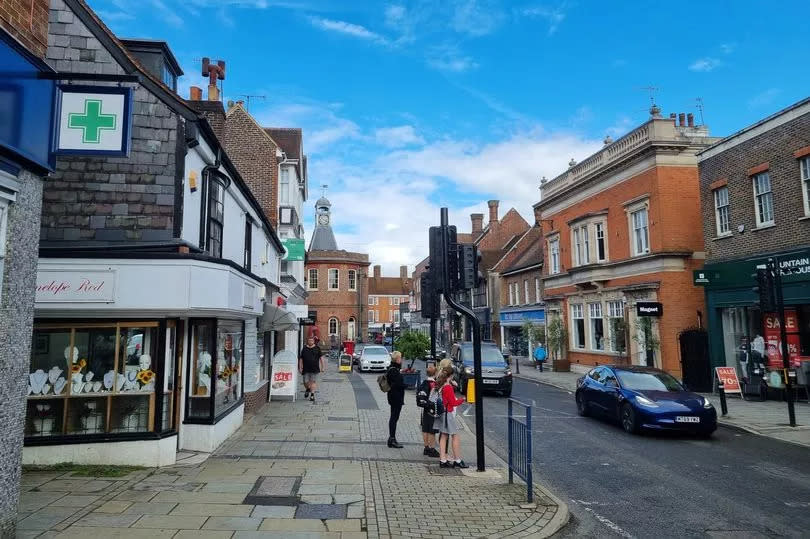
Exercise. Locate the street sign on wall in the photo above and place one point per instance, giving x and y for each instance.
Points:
(93, 120)
(293, 249)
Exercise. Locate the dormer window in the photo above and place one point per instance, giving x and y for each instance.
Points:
(168, 77)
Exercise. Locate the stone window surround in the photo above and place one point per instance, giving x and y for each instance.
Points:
(631, 207)
(604, 298)
(550, 240)
(589, 222)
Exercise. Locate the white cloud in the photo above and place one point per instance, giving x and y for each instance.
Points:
(448, 58)
(114, 16)
(727, 48)
(554, 16)
(476, 17)
(322, 126)
(168, 14)
(397, 137)
(347, 28)
(764, 98)
(705, 64)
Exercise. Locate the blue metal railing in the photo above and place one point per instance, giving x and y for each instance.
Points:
(520, 447)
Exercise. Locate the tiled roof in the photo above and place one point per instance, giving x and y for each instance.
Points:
(291, 142)
(389, 286)
(530, 251)
(323, 239)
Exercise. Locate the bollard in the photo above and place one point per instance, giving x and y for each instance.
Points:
(471, 390)
(723, 406)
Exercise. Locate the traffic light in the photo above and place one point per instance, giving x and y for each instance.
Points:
(428, 296)
(452, 257)
(437, 258)
(469, 259)
(765, 290)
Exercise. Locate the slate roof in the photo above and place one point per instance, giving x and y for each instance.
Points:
(291, 141)
(531, 251)
(323, 239)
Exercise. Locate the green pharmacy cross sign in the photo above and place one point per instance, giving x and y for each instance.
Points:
(92, 121)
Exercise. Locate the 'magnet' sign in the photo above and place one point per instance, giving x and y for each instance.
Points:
(90, 286)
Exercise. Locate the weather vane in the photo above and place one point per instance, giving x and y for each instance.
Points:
(324, 187)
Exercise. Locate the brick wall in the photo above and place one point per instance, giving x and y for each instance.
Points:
(503, 230)
(254, 154)
(27, 21)
(110, 199)
(254, 400)
(342, 303)
(776, 148)
(518, 279)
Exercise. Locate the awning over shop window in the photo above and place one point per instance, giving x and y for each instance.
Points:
(277, 319)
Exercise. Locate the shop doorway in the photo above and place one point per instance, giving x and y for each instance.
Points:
(695, 364)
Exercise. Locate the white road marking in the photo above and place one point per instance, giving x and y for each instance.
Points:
(610, 524)
(583, 502)
(797, 504)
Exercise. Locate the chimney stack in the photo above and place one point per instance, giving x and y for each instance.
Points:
(493, 211)
(195, 93)
(681, 119)
(403, 272)
(214, 72)
(477, 220)
(377, 272)
(690, 120)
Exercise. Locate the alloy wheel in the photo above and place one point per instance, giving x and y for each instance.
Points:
(628, 419)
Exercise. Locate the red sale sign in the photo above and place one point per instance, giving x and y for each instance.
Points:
(773, 342)
(728, 377)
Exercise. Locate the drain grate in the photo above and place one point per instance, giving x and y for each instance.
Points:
(274, 491)
(321, 511)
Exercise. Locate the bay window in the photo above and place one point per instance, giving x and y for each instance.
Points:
(215, 377)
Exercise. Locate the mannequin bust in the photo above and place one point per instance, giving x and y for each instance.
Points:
(145, 362)
(75, 357)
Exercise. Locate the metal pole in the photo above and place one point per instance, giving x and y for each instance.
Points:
(476, 331)
(433, 339)
(509, 437)
(723, 406)
(773, 264)
(529, 487)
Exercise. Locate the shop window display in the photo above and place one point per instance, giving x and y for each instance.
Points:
(91, 379)
(216, 373)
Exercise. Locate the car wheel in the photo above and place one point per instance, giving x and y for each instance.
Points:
(628, 417)
(582, 405)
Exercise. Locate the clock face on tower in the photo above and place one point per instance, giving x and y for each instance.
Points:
(323, 219)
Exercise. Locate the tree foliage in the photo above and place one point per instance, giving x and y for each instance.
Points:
(412, 344)
(556, 336)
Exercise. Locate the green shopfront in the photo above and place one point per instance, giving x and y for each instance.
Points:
(741, 335)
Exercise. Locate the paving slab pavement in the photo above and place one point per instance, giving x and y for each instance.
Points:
(298, 469)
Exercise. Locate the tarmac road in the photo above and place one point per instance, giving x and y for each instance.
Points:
(617, 485)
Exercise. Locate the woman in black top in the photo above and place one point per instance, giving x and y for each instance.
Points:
(396, 397)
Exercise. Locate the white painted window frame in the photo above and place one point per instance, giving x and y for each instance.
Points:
(554, 255)
(804, 174)
(310, 272)
(722, 211)
(578, 313)
(352, 275)
(329, 279)
(632, 210)
(766, 197)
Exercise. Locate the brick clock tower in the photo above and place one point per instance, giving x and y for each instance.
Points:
(336, 281)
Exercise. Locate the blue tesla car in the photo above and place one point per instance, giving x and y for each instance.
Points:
(644, 398)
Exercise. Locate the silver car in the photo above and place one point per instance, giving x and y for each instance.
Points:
(374, 358)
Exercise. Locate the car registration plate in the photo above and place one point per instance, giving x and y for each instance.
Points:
(687, 419)
(489, 381)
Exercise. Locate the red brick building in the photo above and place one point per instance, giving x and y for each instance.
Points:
(336, 284)
(385, 294)
(623, 227)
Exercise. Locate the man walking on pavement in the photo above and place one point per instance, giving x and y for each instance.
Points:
(396, 397)
(310, 365)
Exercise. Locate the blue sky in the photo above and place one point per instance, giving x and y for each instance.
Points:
(411, 105)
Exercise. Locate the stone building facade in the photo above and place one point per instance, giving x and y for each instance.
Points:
(23, 167)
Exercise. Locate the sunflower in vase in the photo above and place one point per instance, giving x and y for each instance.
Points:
(145, 377)
(78, 367)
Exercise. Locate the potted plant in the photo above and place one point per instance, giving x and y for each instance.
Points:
(557, 338)
(618, 339)
(646, 339)
(411, 344)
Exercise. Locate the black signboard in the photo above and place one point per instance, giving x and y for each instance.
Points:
(649, 308)
(312, 317)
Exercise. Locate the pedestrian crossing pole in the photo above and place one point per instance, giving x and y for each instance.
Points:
(447, 290)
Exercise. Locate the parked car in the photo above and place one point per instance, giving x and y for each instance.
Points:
(440, 354)
(644, 398)
(496, 375)
(374, 357)
(358, 349)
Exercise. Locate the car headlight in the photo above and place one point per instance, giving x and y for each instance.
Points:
(706, 404)
(644, 401)
(468, 370)
(507, 372)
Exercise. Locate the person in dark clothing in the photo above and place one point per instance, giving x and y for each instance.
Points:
(428, 421)
(310, 365)
(396, 397)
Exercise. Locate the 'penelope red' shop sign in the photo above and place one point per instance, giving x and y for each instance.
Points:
(75, 286)
(728, 377)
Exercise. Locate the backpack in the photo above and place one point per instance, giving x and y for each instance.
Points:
(434, 407)
(423, 394)
(382, 381)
